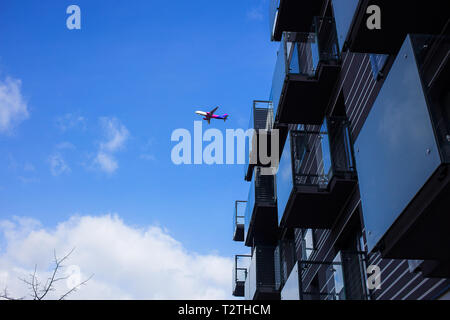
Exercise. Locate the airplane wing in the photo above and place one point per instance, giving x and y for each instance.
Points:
(215, 109)
(209, 120)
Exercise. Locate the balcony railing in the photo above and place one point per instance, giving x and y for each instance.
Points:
(240, 272)
(403, 155)
(285, 259)
(239, 220)
(421, 17)
(261, 211)
(316, 175)
(341, 279)
(306, 72)
(292, 15)
(261, 121)
(260, 282)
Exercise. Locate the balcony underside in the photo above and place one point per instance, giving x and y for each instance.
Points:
(266, 294)
(238, 233)
(263, 226)
(239, 289)
(305, 100)
(435, 269)
(421, 232)
(296, 16)
(310, 208)
(398, 18)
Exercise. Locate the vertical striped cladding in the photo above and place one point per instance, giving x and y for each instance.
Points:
(359, 90)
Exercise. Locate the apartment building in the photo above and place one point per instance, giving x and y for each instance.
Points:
(359, 207)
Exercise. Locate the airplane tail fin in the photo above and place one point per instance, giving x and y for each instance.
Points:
(225, 117)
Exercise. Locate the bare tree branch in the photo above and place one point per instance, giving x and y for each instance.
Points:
(39, 292)
(74, 289)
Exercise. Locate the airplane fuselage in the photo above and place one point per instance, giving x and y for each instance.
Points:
(208, 115)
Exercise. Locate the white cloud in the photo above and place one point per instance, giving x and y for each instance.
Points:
(28, 167)
(147, 157)
(106, 162)
(116, 135)
(71, 121)
(58, 165)
(127, 262)
(13, 108)
(255, 14)
(65, 146)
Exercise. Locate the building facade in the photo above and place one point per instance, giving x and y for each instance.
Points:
(359, 206)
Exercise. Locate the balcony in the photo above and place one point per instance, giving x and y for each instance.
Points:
(239, 220)
(403, 155)
(316, 176)
(340, 279)
(261, 121)
(261, 211)
(421, 17)
(305, 75)
(260, 282)
(430, 268)
(292, 15)
(240, 270)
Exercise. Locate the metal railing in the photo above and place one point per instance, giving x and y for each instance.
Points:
(319, 155)
(239, 220)
(240, 271)
(303, 53)
(340, 279)
(262, 193)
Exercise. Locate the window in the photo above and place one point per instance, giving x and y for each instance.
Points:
(308, 244)
(378, 61)
(338, 276)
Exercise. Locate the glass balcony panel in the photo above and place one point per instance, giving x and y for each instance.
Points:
(250, 282)
(378, 61)
(273, 15)
(339, 279)
(396, 149)
(291, 290)
(279, 76)
(312, 163)
(326, 40)
(344, 11)
(321, 163)
(284, 178)
(298, 93)
(249, 208)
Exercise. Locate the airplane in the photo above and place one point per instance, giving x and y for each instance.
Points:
(210, 115)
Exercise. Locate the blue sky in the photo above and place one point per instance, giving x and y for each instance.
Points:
(136, 71)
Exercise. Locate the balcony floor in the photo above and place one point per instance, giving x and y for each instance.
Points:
(239, 289)
(296, 16)
(311, 208)
(305, 100)
(238, 233)
(421, 232)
